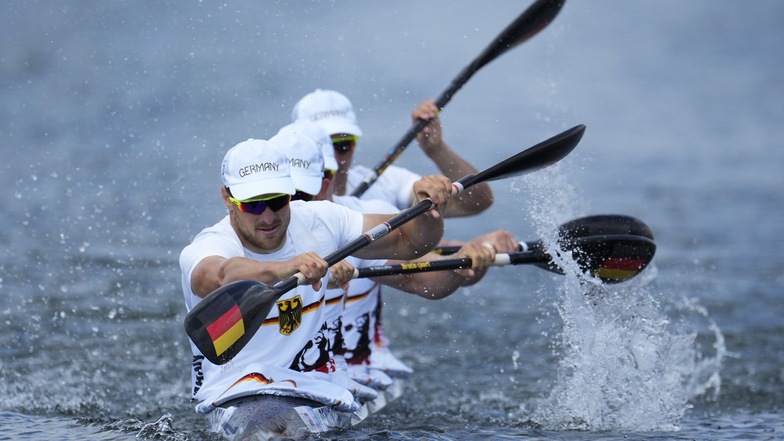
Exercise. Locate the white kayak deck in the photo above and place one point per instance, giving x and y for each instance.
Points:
(270, 417)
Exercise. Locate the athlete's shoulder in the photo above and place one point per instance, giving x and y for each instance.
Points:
(315, 209)
(375, 206)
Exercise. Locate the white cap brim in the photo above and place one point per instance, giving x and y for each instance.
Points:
(330, 163)
(253, 189)
(339, 125)
(308, 184)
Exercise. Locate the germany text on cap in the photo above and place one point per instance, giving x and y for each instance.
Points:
(317, 134)
(329, 109)
(256, 167)
(305, 161)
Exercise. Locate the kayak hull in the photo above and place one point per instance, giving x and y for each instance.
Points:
(272, 417)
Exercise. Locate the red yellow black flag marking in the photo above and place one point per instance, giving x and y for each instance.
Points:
(619, 268)
(227, 329)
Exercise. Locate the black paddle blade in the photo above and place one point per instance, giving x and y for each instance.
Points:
(224, 322)
(541, 155)
(604, 224)
(528, 24)
(611, 258)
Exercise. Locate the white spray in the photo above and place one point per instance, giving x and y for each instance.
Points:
(623, 364)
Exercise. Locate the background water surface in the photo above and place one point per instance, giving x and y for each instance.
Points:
(115, 116)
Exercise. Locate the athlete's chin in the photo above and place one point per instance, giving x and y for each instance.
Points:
(268, 241)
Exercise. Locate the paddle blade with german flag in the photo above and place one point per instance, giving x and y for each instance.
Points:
(222, 323)
(618, 259)
(611, 258)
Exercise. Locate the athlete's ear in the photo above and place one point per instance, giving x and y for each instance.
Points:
(225, 197)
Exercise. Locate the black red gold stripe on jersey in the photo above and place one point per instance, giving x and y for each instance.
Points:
(357, 297)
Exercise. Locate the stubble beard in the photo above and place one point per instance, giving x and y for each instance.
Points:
(252, 240)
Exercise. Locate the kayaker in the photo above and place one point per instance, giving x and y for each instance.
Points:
(266, 237)
(359, 330)
(335, 114)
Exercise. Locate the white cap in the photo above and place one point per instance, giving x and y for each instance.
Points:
(256, 167)
(318, 134)
(305, 161)
(329, 109)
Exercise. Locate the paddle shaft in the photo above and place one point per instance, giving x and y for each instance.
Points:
(446, 250)
(517, 258)
(611, 258)
(528, 24)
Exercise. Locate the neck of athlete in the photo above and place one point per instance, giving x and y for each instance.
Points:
(340, 182)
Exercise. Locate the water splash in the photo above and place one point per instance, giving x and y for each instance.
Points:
(624, 363)
(163, 429)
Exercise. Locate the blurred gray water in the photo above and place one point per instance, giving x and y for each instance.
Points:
(115, 116)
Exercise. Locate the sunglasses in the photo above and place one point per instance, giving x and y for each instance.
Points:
(344, 144)
(258, 205)
(302, 196)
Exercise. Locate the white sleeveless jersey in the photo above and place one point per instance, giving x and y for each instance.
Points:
(295, 335)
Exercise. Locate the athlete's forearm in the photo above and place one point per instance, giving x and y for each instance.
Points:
(472, 201)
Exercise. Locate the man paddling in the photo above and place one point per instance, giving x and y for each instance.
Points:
(359, 310)
(266, 237)
(335, 114)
